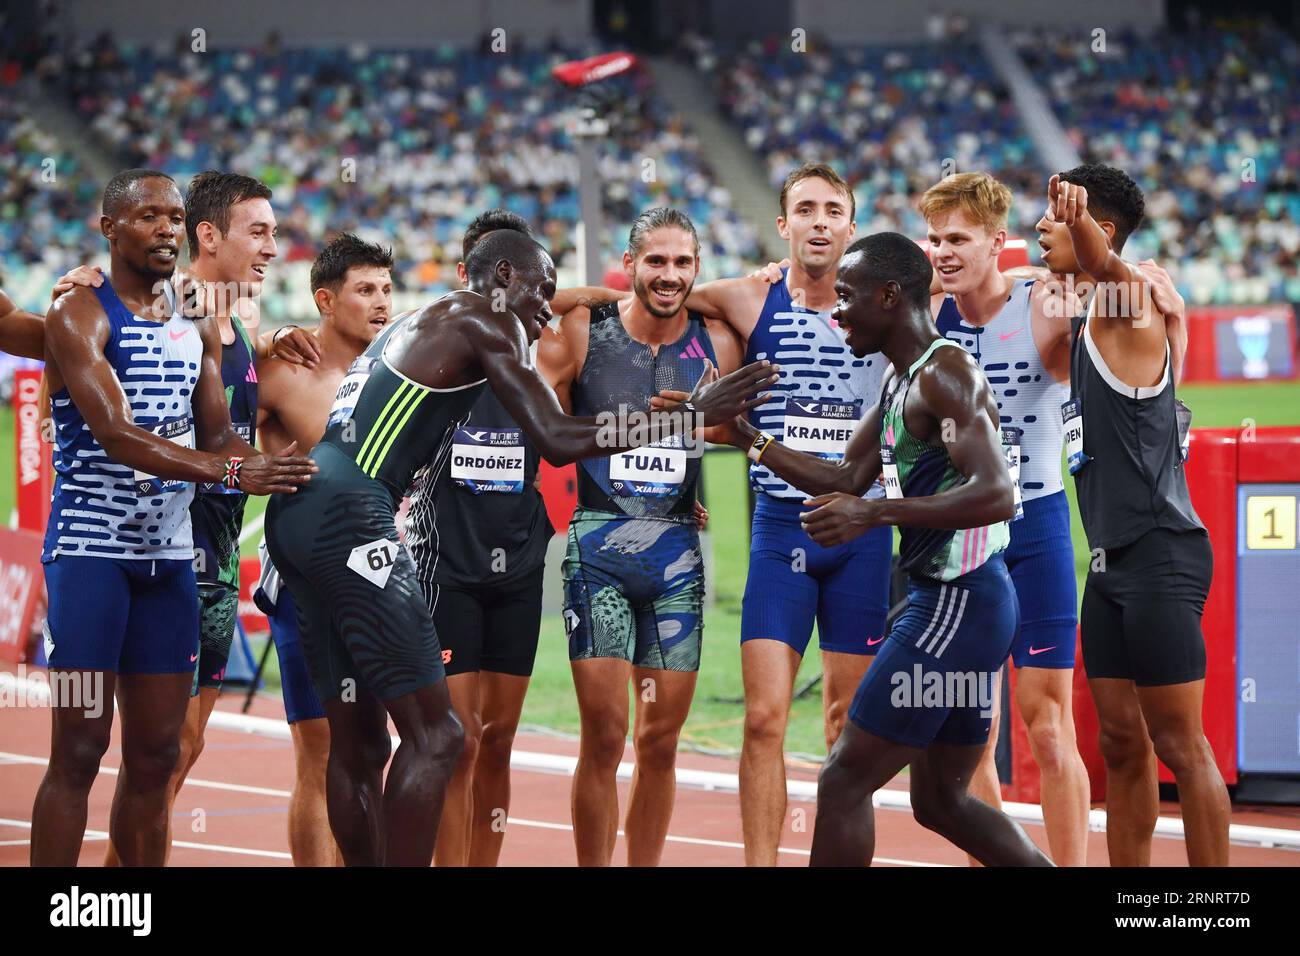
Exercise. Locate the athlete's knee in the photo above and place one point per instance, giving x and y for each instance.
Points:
(472, 734)
(1050, 741)
(604, 737)
(1181, 749)
(837, 715)
(74, 762)
(838, 785)
(495, 744)
(765, 723)
(150, 765)
(656, 748)
(1123, 746)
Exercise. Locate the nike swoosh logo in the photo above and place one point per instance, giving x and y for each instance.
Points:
(193, 658)
(1040, 650)
(1003, 336)
(871, 643)
(174, 336)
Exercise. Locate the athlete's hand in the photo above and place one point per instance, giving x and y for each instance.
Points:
(1066, 201)
(701, 516)
(297, 347)
(1163, 292)
(668, 399)
(839, 517)
(90, 277)
(269, 474)
(719, 400)
(770, 273)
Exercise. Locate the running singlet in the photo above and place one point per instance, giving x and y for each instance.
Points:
(822, 391)
(391, 426)
(104, 509)
(1029, 399)
(916, 469)
(619, 377)
(480, 519)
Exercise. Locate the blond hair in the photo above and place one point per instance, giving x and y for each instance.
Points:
(981, 197)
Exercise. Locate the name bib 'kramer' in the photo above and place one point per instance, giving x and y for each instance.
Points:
(819, 428)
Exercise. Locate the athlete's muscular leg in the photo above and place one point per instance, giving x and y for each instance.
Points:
(859, 764)
(78, 740)
(601, 684)
(1044, 696)
(431, 740)
(502, 699)
(310, 841)
(153, 710)
(457, 810)
(359, 749)
(984, 783)
(768, 668)
(940, 802)
(663, 699)
(1132, 792)
(1173, 715)
(841, 675)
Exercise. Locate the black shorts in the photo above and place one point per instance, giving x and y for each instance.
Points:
(362, 614)
(489, 628)
(1141, 616)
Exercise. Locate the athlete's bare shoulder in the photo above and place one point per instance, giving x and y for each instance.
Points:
(951, 378)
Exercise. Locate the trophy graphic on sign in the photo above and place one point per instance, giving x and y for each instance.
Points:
(1252, 338)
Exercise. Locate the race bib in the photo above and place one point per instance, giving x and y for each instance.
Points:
(1011, 449)
(889, 468)
(487, 460)
(180, 431)
(653, 471)
(345, 399)
(374, 561)
(819, 428)
(1183, 415)
(1072, 416)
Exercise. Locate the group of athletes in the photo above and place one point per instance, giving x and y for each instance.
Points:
(872, 387)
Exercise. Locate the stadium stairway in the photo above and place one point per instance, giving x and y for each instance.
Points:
(52, 113)
(1053, 146)
(688, 93)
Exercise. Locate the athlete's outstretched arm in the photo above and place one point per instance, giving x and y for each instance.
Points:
(852, 475)
(502, 353)
(734, 301)
(566, 300)
(21, 333)
(957, 397)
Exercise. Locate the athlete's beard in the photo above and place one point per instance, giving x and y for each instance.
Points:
(642, 291)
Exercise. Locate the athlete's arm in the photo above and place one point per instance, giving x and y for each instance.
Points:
(556, 364)
(566, 300)
(734, 301)
(499, 347)
(21, 332)
(259, 474)
(956, 397)
(1171, 305)
(852, 475)
(1068, 203)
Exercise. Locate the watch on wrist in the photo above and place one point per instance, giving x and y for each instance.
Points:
(759, 445)
(280, 331)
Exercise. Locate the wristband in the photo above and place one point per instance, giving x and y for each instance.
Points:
(233, 467)
(278, 332)
(761, 441)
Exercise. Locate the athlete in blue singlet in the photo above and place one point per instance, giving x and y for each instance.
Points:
(135, 389)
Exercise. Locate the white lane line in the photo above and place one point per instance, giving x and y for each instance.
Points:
(6, 757)
(252, 527)
(724, 844)
(186, 844)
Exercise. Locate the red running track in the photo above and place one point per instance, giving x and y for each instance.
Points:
(241, 784)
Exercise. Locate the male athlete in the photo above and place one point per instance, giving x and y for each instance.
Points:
(352, 288)
(792, 579)
(1141, 616)
(367, 631)
(633, 572)
(934, 436)
(135, 386)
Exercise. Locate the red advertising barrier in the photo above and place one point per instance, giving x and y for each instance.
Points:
(1240, 343)
(21, 582)
(560, 492)
(34, 473)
